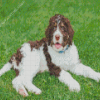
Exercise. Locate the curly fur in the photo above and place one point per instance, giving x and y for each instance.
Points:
(43, 55)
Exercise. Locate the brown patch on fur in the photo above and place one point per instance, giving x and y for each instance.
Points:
(65, 28)
(34, 44)
(70, 31)
(54, 70)
(16, 71)
(50, 30)
(16, 57)
(10, 61)
(37, 44)
(68, 36)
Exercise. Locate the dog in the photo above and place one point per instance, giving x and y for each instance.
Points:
(56, 53)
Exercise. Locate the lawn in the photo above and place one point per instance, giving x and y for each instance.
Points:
(21, 21)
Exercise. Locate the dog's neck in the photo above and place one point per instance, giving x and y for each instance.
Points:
(63, 51)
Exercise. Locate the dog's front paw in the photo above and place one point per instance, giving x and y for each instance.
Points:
(74, 86)
(23, 92)
(38, 91)
(97, 77)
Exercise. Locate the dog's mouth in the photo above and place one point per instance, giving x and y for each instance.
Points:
(58, 45)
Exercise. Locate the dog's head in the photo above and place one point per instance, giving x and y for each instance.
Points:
(59, 32)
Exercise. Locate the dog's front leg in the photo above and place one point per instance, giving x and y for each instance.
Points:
(80, 69)
(66, 78)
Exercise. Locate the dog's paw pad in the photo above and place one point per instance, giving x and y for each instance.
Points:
(22, 92)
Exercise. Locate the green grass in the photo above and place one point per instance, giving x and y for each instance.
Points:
(29, 23)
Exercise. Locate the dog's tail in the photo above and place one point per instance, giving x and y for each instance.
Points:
(5, 68)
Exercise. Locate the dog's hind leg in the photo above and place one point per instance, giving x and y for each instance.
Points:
(5, 68)
(29, 67)
(31, 87)
(28, 75)
(17, 84)
(24, 80)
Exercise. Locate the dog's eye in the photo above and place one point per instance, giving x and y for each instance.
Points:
(55, 24)
(62, 28)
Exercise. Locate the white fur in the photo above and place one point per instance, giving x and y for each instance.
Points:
(28, 68)
(34, 61)
(57, 32)
(5, 68)
(66, 78)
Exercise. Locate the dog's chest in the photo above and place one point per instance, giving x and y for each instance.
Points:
(63, 60)
(60, 59)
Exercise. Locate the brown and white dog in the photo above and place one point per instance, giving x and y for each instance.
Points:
(56, 53)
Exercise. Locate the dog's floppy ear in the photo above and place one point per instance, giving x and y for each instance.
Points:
(70, 31)
(48, 31)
